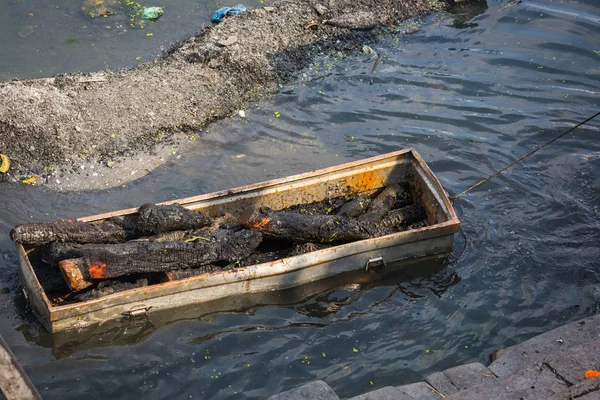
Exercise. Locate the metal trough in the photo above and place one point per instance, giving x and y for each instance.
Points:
(361, 176)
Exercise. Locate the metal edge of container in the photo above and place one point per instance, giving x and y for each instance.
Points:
(49, 315)
(14, 382)
(222, 195)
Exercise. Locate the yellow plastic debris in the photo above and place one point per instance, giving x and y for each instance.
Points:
(30, 180)
(4, 163)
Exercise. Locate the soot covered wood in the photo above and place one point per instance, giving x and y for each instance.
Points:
(327, 228)
(114, 260)
(150, 219)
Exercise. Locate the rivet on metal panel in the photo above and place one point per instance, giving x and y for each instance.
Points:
(375, 264)
(137, 312)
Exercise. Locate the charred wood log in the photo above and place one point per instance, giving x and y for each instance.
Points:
(302, 228)
(179, 274)
(149, 220)
(404, 216)
(355, 207)
(57, 251)
(172, 236)
(393, 196)
(153, 219)
(109, 287)
(114, 260)
(69, 230)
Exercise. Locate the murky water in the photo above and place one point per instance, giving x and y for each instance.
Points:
(470, 96)
(42, 38)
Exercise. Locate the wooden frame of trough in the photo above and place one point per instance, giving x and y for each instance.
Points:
(360, 176)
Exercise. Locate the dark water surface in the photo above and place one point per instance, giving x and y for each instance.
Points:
(41, 38)
(470, 96)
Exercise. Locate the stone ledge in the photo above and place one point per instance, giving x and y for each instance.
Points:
(317, 390)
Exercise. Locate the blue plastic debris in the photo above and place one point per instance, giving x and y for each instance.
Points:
(225, 11)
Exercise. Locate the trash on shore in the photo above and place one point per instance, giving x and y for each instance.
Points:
(368, 50)
(311, 25)
(227, 11)
(591, 373)
(31, 179)
(4, 163)
(152, 13)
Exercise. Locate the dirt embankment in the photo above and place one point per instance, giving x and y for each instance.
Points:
(70, 121)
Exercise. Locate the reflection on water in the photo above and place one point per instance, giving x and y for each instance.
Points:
(469, 100)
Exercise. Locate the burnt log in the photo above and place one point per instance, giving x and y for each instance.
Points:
(179, 274)
(326, 229)
(153, 219)
(109, 287)
(404, 216)
(355, 207)
(393, 196)
(308, 228)
(115, 260)
(58, 251)
(149, 220)
(172, 236)
(69, 230)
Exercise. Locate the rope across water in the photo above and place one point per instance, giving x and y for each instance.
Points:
(453, 198)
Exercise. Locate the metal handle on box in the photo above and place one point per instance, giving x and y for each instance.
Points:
(137, 312)
(375, 264)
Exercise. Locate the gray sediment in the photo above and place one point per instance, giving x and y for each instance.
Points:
(74, 119)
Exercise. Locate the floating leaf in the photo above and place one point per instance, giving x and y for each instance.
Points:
(4, 163)
(354, 350)
(30, 180)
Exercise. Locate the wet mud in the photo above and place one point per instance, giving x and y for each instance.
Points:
(94, 127)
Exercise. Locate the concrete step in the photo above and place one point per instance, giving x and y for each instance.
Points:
(386, 393)
(317, 390)
(436, 386)
(571, 366)
(542, 347)
(533, 383)
(585, 390)
(561, 376)
(420, 391)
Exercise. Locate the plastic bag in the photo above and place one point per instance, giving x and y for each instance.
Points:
(152, 13)
(225, 11)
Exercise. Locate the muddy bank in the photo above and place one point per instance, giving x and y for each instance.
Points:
(94, 127)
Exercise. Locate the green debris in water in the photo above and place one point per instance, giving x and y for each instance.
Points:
(152, 13)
